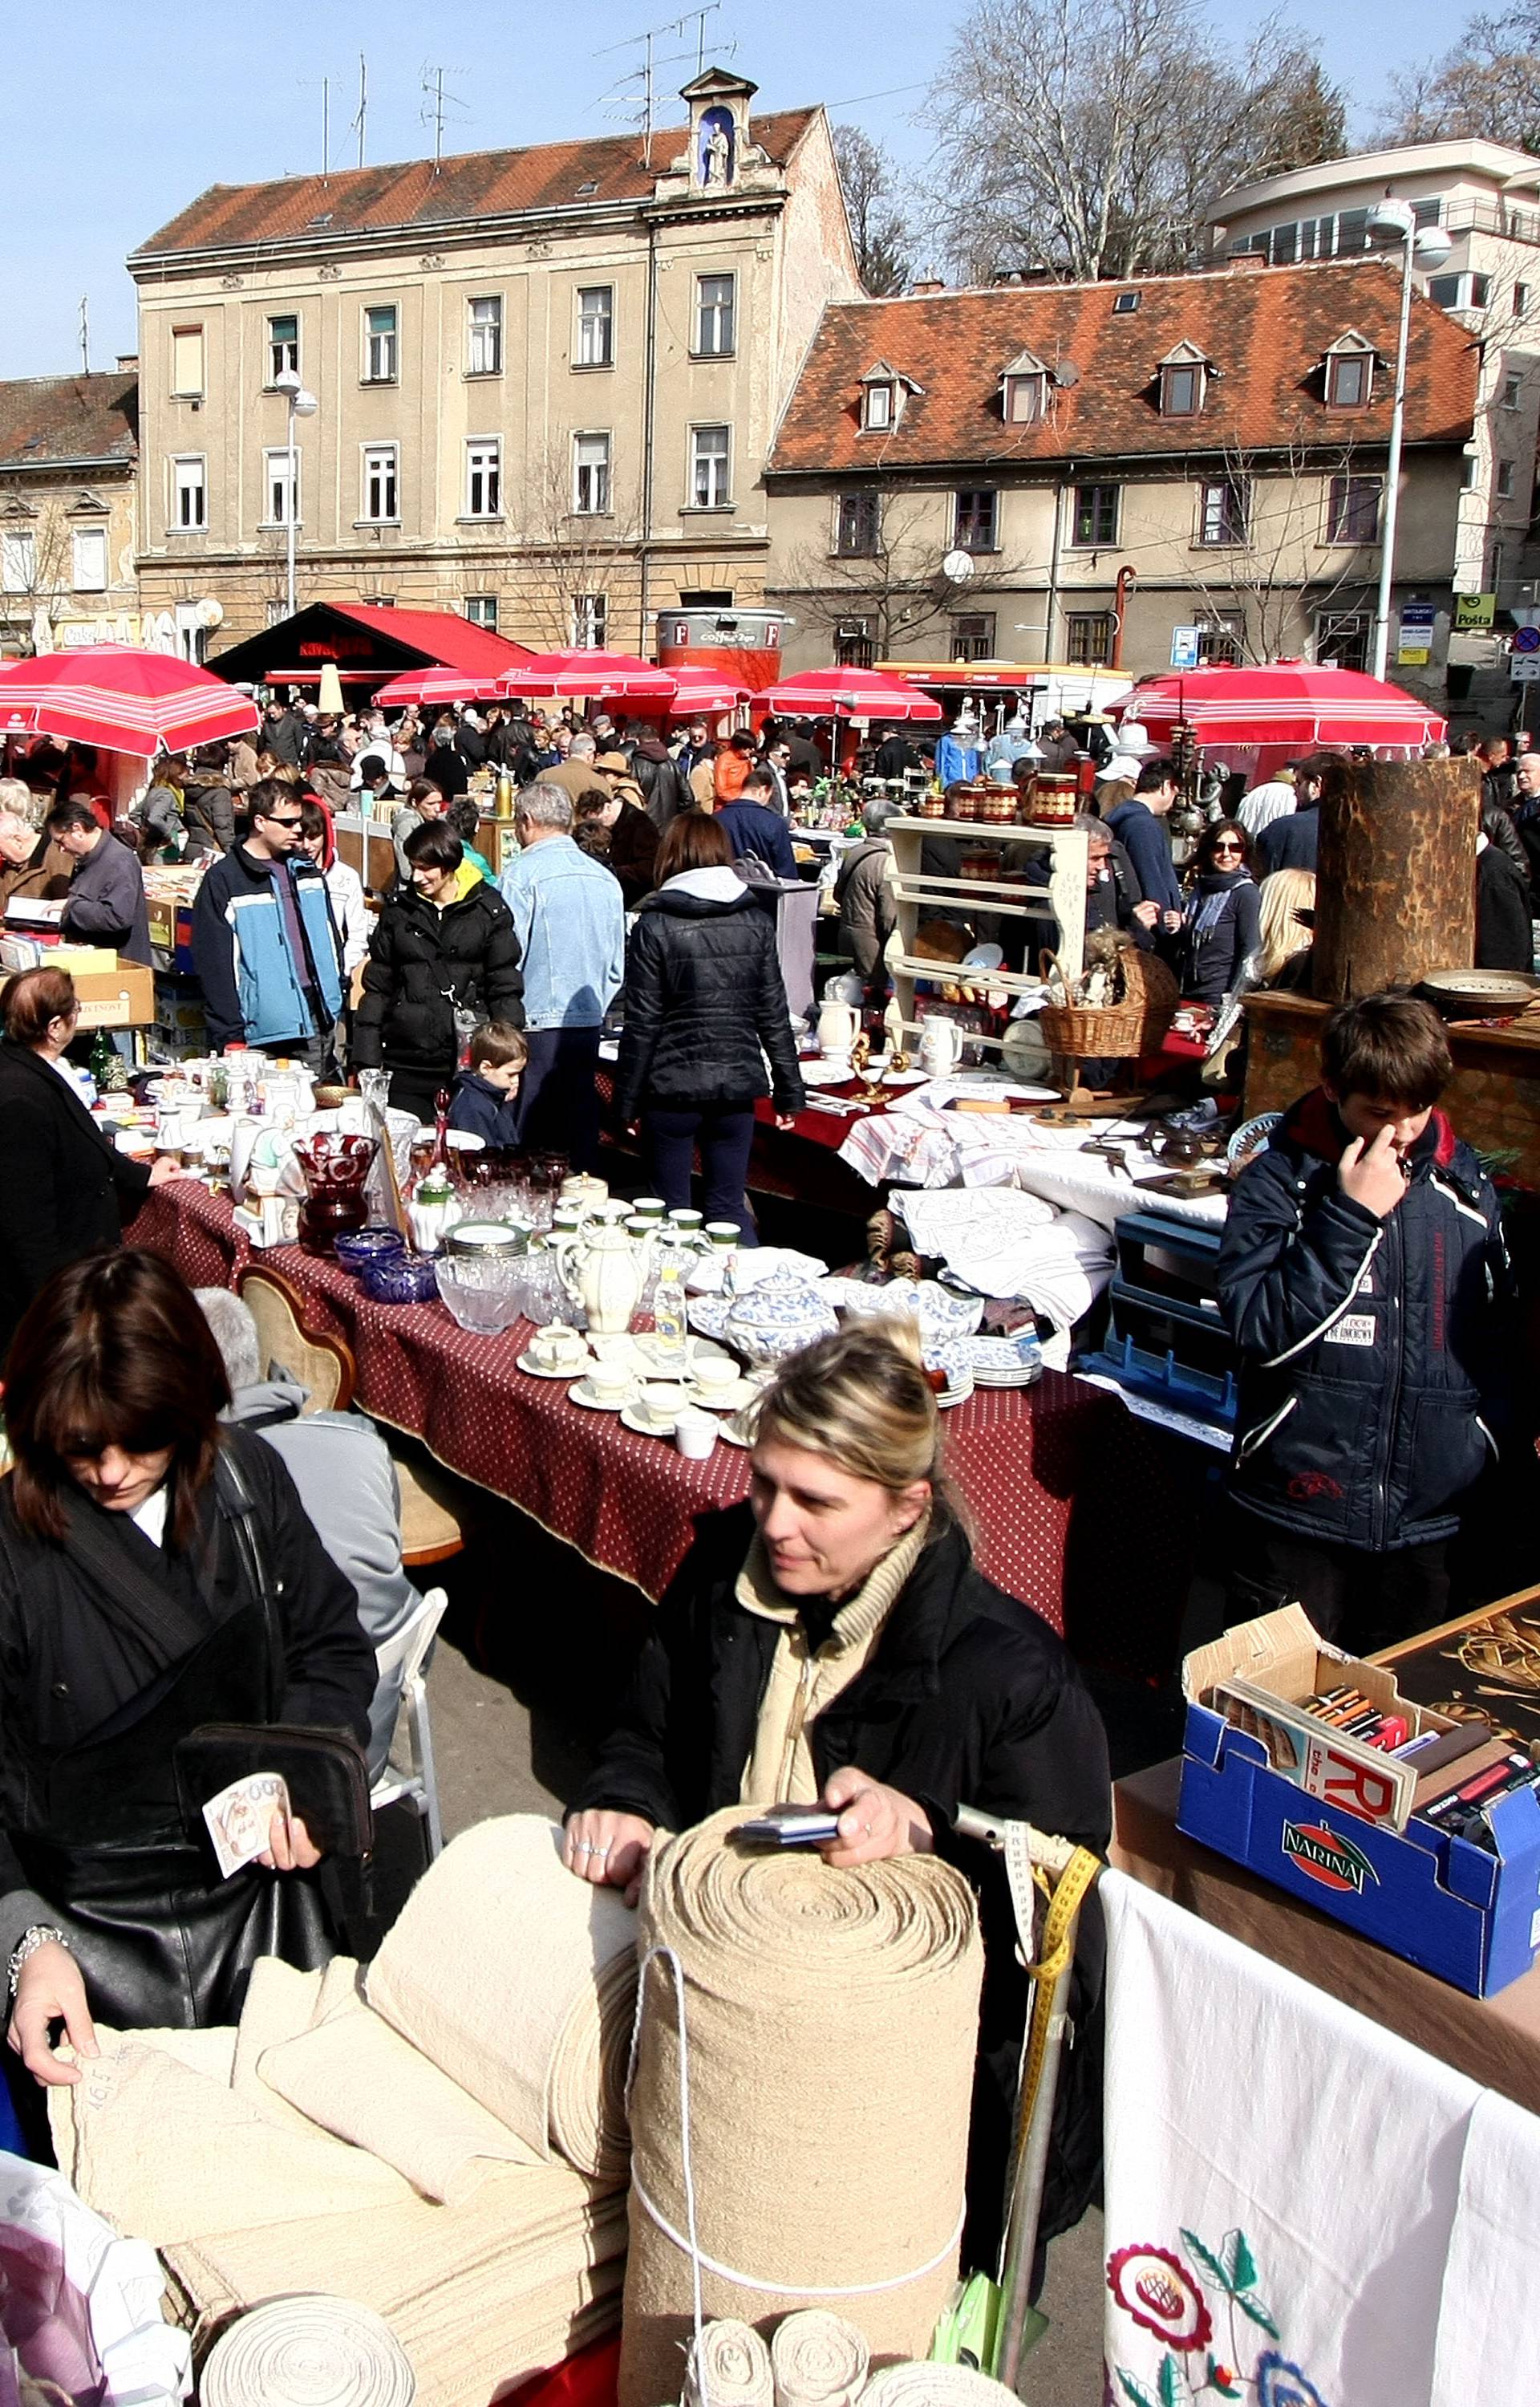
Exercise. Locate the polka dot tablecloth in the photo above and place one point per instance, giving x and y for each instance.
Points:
(1078, 1509)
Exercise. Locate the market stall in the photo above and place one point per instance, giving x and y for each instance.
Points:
(1260, 718)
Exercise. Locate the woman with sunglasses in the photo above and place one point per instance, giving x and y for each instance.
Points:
(1221, 920)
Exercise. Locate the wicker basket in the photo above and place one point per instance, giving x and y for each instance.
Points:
(1116, 1031)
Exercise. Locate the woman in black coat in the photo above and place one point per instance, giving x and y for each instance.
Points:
(963, 1697)
(443, 951)
(702, 994)
(1221, 920)
(157, 1574)
(64, 1184)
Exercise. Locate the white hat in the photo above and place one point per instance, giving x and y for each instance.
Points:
(1122, 764)
(1133, 738)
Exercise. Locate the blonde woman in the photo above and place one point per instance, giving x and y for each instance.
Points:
(1283, 937)
(832, 1640)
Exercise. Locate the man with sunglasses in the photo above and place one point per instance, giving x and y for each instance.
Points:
(264, 942)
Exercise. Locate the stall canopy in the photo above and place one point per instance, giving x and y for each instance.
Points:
(848, 693)
(588, 677)
(1290, 704)
(706, 693)
(427, 688)
(367, 644)
(122, 699)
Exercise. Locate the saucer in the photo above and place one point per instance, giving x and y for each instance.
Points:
(541, 1371)
(731, 1399)
(596, 1404)
(732, 1434)
(631, 1418)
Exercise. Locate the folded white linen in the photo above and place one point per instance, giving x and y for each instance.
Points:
(1489, 2316)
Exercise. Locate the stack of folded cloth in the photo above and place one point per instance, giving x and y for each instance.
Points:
(441, 2140)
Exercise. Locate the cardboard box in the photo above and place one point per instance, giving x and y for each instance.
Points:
(122, 996)
(1468, 1916)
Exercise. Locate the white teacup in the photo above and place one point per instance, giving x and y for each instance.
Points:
(695, 1434)
(713, 1374)
(558, 1348)
(608, 1383)
(660, 1406)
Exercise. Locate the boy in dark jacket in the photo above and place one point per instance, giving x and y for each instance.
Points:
(1364, 1278)
(486, 1093)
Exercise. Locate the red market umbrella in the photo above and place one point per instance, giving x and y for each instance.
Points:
(848, 693)
(122, 699)
(419, 689)
(1289, 704)
(594, 677)
(705, 692)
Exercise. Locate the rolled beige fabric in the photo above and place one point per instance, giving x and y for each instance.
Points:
(728, 2366)
(307, 2351)
(518, 1979)
(831, 2020)
(818, 2360)
(935, 2386)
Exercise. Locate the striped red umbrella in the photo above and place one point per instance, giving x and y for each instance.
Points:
(848, 693)
(706, 691)
(1288, 703)
(122, 699)
(584, 676)
(419, 689)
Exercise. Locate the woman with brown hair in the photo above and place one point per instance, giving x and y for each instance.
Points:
(832, 1640)
(1219, 919)
(157, 1574)
(64, 1184)
(703, 994)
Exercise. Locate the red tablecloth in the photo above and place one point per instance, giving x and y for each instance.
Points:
(1075, 1507)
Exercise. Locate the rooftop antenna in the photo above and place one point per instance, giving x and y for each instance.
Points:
(636, 92)
(85, 335)
(358, 125)
(326, 124)
(436, 100)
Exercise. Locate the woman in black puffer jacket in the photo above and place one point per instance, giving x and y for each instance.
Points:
(1221, 923)
(702, 996)
(446, 943)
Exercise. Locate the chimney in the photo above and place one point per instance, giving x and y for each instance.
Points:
(128, 360)
(925, 284)
(1248, 263)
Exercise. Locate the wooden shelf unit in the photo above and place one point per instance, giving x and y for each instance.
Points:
(1061, 898)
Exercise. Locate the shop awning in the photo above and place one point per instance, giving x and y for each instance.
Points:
(367, 644)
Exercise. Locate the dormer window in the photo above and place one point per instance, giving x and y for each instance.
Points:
(1023, 389)
(884, 391)
(1184, 375)
(1350, 372)
(880, 413)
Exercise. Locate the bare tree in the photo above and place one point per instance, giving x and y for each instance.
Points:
(572, 559)
(1261, 586)
(1088, 136)
(877, 226)
(1488, 85)
(898, 587)
(35, 563)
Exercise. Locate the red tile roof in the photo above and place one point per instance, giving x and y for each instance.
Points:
(476, 184)
(1265, 332)
(444, 639)
(48, 421)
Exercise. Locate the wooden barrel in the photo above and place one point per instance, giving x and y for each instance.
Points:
(1395, 885)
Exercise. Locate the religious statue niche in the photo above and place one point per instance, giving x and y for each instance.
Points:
(716, 156)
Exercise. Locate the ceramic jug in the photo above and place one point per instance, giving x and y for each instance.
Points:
(604, 1273)
(940, 1046)
(837, 1028)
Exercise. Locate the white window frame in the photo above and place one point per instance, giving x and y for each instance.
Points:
(879, 408)
(280, 485)
(482, 476)
(481, 610)
(592, 478)
(595, 346)
(1502, 486)
(97, 538)
(283, 351)
(182, 387)
(710, 471)
(590, 621)
(380, 468)
(715, 320)
(18, 559)
(188, 493)
(484, 335)
(1025, 399)
(381, 345)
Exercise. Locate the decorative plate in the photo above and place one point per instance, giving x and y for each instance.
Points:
(1251, 1136)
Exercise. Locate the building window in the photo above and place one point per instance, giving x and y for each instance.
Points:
(1220, 644)
(1466, 291)
(1224, 509)
(1090, 638)
(1505, 481)
(596, 326)
(1024, 403)
(590, 621)
(715, 316)
(481, 609)
(1468, 466)
(591, 477)
(1181, 388)
(973, 635)
(379, 484)
(852, 646)
(89, 559)
(187, 363)
(877, 414)
(858, 526)
(283, 347)
(281, 487)
(1512, 387)
(484, 479)
(975, 519)
(1429, 212)
(709, 466)
(189, 497)
(1096, 515)
(484, 335)
(1350, 378)
(381, 345)
(1353, 509)
(1521, 300)
(18, 560)
(1342, 638)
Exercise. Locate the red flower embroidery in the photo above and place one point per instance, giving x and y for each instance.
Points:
(1158, 2291)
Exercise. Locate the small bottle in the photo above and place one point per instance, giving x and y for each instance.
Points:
(668, 1323)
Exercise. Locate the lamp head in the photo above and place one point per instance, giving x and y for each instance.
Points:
(304, 404)
(1431, 247)
(1391, 220)
(287, 381)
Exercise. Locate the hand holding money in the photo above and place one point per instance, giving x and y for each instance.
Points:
(251, 1822)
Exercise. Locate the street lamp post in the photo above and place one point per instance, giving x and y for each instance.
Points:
(301, 405)
(1424, 247)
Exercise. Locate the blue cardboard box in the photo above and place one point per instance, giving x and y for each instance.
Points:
(1470, 1917)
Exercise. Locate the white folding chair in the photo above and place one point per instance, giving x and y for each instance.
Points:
(416, 1779)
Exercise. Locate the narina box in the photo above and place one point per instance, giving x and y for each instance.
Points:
(1316, 1823)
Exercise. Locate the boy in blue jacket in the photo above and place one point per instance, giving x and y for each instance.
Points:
(485, 1101)
(1364, 1279)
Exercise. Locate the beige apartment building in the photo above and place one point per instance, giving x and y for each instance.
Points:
(545, 380)
(1085, 474)
(68, 461)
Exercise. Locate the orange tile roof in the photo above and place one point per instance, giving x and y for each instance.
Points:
(48, 421)
(473, 184)
(1264, 331)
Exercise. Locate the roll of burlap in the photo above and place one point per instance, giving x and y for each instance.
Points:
(935, 2386)
(818, 2360)
(300, 2352)
(517, 1980)
(831, 2020)
(728, 2366)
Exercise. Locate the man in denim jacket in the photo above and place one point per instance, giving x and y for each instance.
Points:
(572, 935)
(264, 942)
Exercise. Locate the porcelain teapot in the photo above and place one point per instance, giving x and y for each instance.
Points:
(604, 1272)
(940, 1046)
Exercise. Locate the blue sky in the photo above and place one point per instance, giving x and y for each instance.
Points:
(122, 111)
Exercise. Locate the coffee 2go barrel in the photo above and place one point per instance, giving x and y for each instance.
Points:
(1415, 1828)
